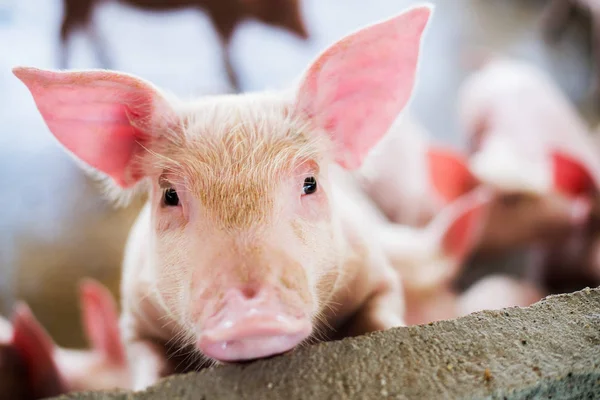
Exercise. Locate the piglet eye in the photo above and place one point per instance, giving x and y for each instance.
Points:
(310, 185)
(170, 197)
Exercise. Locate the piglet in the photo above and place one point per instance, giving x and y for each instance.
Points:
(38, 368)
(528, 143)
(245, 249)
(430, 259)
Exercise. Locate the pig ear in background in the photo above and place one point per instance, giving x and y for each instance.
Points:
(571, 176)
(102, 117)
(101, 320)
(461, 224)
(358, 86)
(449, 173)
(36, 348)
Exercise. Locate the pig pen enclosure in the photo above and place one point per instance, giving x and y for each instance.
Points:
(56, 228)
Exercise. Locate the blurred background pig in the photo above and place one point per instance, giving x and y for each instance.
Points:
(55, 225)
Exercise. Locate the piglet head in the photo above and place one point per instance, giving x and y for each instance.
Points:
(242, 239)
(540, 196)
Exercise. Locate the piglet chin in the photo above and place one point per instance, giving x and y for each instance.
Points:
(257, 335)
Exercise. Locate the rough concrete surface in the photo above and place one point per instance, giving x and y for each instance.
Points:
(548, 350)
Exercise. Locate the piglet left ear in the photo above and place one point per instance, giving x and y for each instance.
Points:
(358, 86)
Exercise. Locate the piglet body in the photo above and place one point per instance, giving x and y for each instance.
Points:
(246, 248)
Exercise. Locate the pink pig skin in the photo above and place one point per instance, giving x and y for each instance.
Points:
(412, 180)
(430, 259)
(37, 368)
(424, 189)
(410, 177)
(529, 143)
(238, 255)
(518, 121)
(497, 291)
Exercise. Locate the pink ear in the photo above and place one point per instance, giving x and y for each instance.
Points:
(468, 216)
(571, 176)
(358, 86)
(36, 348)
(449, 173)
(102, 117)
(101, 320)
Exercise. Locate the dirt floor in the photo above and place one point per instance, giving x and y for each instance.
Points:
(548, 350)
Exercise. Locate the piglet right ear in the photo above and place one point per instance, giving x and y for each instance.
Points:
(101, 320)
(37, 349)
(356, 88)
(102, 117)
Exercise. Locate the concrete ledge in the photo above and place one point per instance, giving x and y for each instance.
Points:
(548, 350)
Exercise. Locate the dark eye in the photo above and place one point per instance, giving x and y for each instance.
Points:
(310, 185)
(170, 197)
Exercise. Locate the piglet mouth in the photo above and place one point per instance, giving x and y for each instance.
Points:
(255, 335)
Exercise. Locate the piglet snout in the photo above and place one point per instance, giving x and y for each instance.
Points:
(252, 324)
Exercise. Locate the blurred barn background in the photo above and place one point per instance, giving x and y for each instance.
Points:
(56, 228)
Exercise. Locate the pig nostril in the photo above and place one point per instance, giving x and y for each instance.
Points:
(249, 292)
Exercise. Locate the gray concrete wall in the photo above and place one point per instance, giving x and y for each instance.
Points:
(548, 350)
